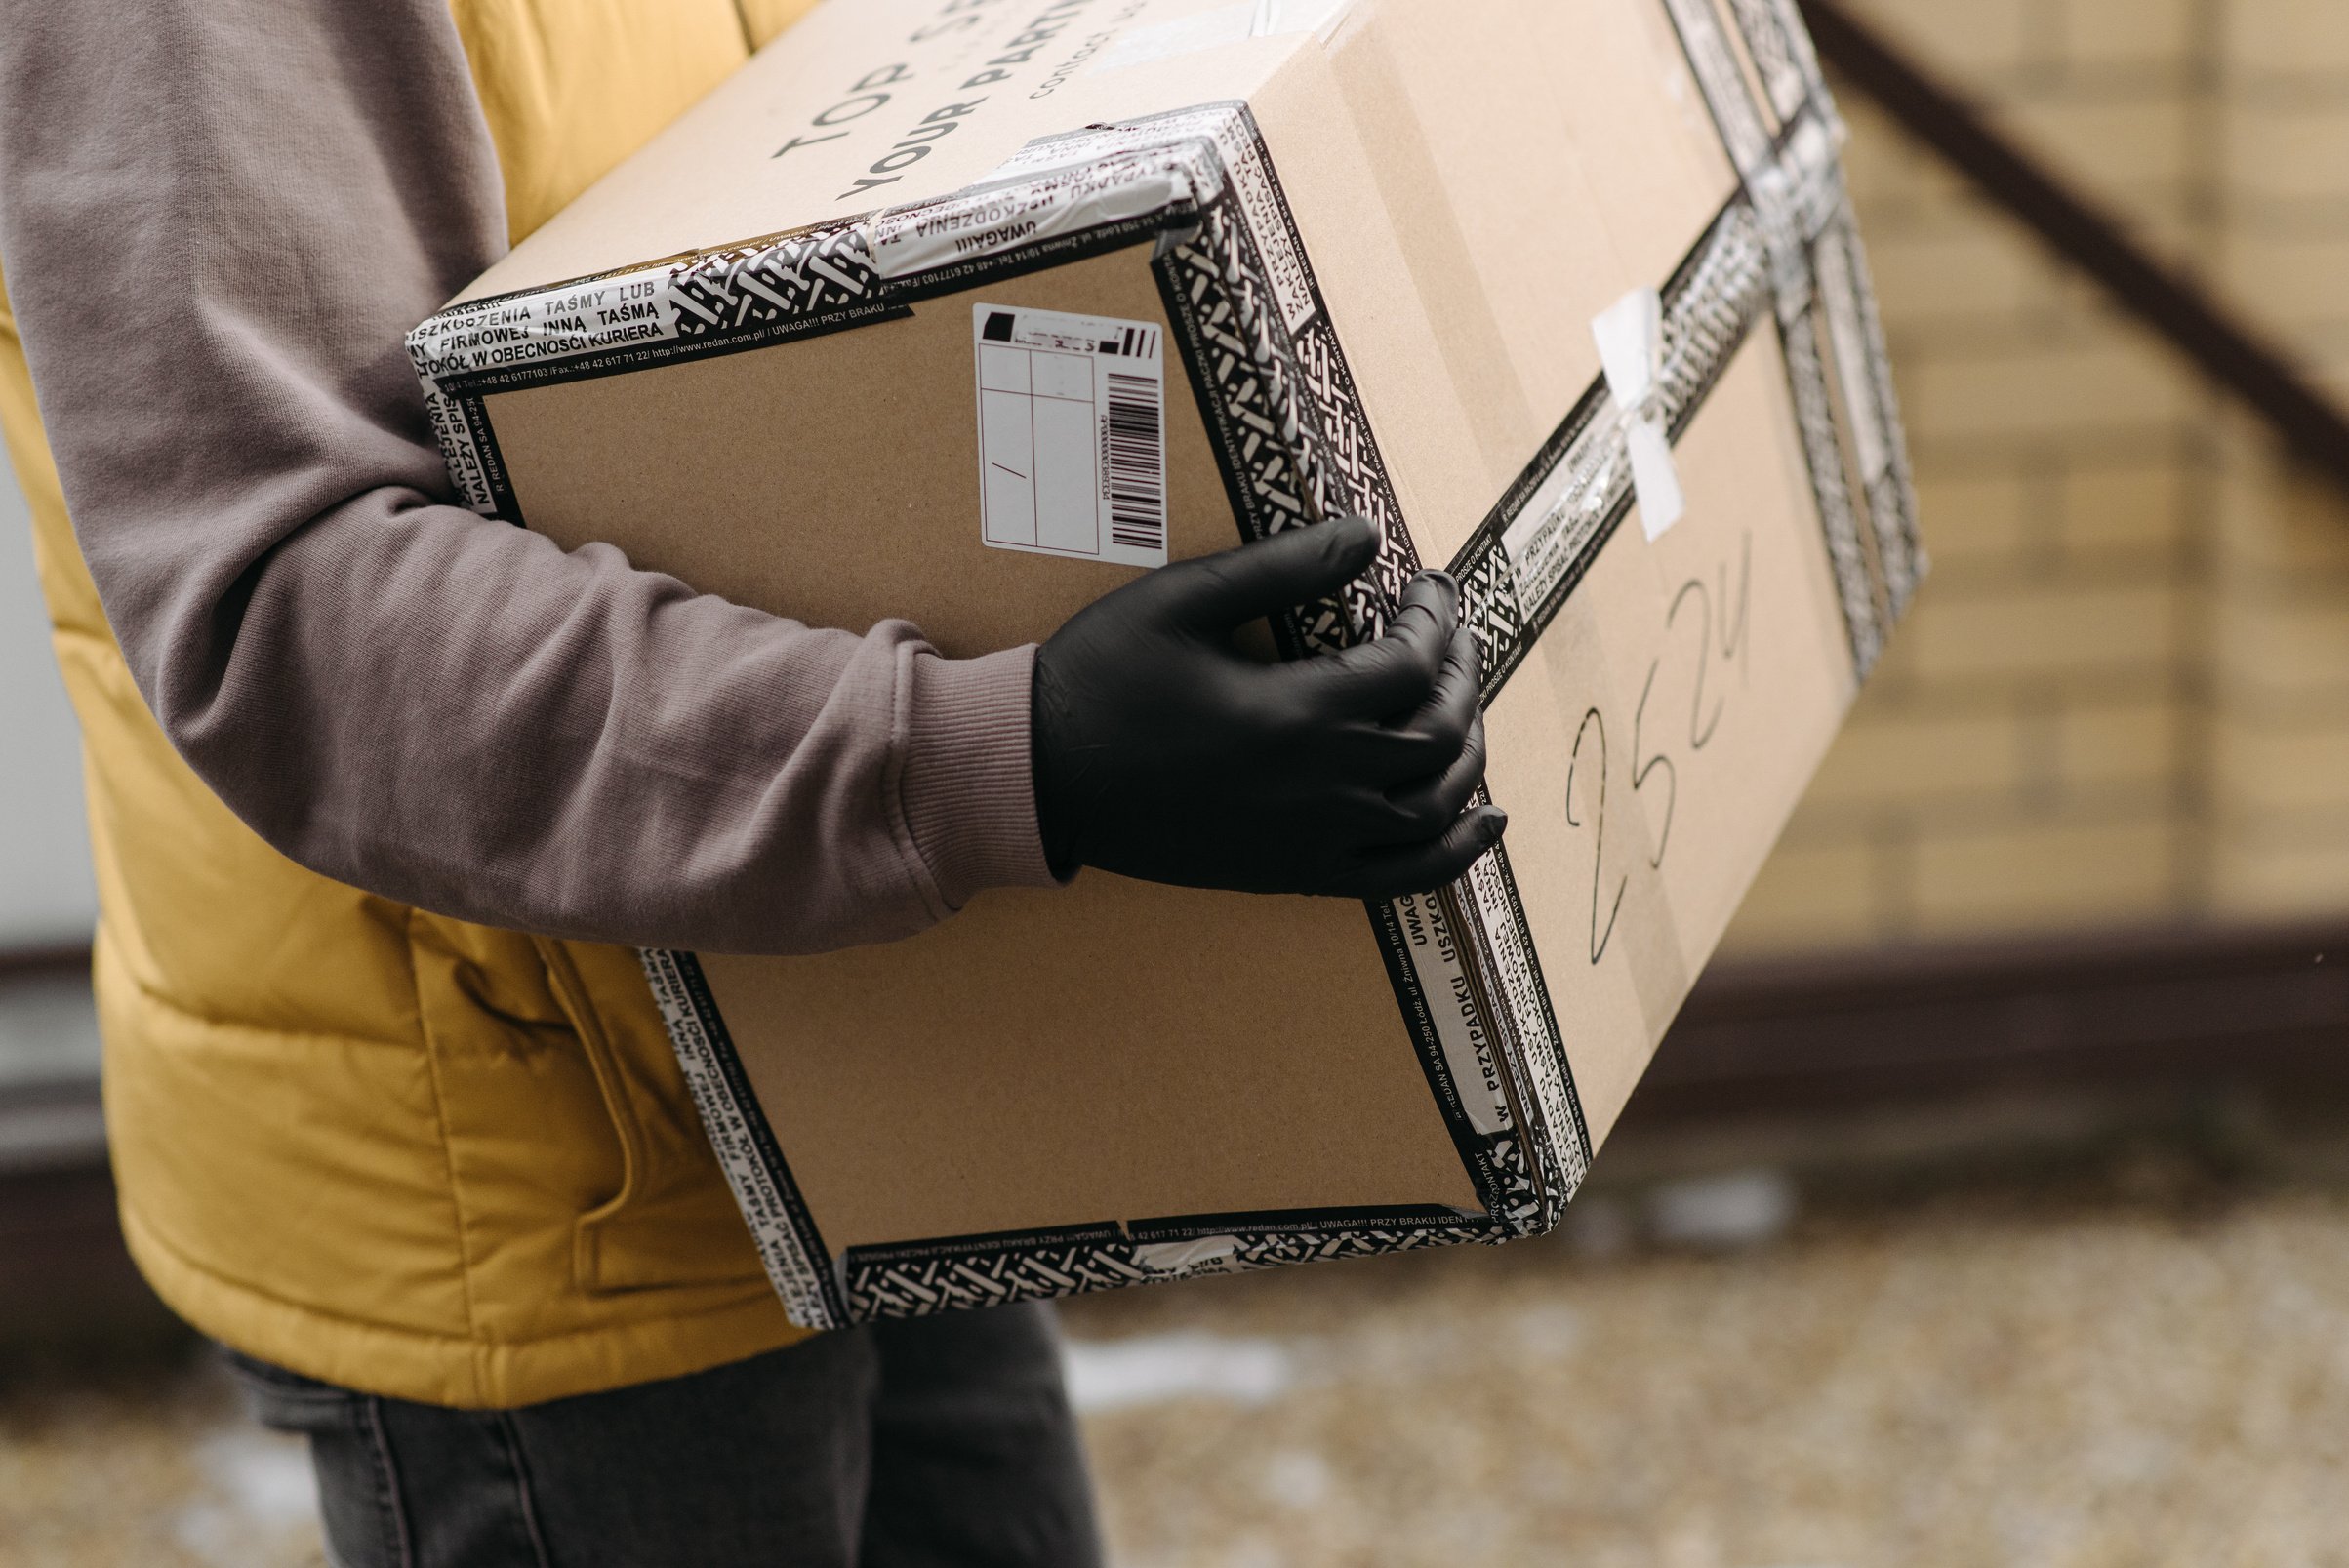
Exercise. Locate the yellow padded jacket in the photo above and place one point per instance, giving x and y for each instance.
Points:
(399, 1152)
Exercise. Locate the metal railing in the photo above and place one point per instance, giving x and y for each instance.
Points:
(2086, 234)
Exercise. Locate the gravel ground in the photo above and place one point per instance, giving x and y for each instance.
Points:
(2142, 1365)
(147, 1466)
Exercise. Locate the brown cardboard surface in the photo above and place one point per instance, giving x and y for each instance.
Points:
(1472, 186)
(836, 480)
(1033, 1049)
(1767, 716)
(1790, 699)
(1113, 1052)
(718, 176)
(1437, 254)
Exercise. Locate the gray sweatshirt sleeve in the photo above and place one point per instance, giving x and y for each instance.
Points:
(218, 217)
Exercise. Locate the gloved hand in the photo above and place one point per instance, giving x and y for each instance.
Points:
(1164, 752)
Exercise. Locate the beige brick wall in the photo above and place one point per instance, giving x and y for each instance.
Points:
(2280, 740)
(2279, 702)
(2123, 699)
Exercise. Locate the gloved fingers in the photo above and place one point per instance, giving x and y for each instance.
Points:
(1398, 673)
(1423, 807)
(1454, 705)
(1217, 593)
(1425, 867)
(1431, 739)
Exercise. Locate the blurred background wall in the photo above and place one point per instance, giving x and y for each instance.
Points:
(47, 899)
(2122, 702)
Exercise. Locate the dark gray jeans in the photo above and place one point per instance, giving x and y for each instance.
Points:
(901, 1446)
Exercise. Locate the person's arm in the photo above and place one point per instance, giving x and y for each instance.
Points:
(218, 219)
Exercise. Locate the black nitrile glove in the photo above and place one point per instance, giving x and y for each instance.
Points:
(1164, 752)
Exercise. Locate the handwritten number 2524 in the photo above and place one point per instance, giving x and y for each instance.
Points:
(1694, 607)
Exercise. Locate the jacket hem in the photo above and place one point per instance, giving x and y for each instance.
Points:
(454, 1371)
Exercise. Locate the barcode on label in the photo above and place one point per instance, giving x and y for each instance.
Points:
(1133, 442)
(1071, 434)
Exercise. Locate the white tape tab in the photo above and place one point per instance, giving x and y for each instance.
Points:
(1181, 1257)
(1296, 16)
(1185, 35)
(1631, 347)
(1212, 29)
(1071, 434)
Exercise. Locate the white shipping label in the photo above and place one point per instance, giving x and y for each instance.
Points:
(1071, 434)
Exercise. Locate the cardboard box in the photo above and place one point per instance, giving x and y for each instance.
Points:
(969, 310)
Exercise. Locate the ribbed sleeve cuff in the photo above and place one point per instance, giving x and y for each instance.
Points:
(969, 782)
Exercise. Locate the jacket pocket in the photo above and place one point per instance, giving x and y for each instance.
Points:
(674, 1219)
